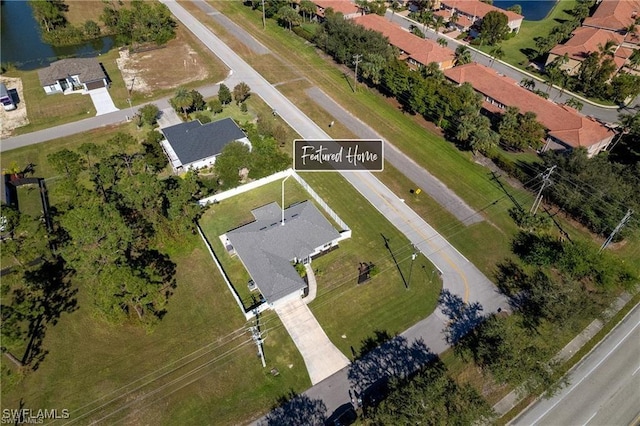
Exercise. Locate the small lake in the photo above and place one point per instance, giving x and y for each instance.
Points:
(21, 45)
(533, 10)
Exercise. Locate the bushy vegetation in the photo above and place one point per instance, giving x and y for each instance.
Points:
(142, 22)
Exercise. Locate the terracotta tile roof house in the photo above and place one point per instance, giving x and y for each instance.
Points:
(566, 128)
(418, 51)
(267, 249)
(475, 11)
(614, 15)
(347, 8)
(72, 74)
(584, 41)
(463, 23)
(193, 145)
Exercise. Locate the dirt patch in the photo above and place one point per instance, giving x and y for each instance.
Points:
(160, 68)
(9, 120)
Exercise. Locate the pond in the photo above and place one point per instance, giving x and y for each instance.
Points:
(533, 10)
(21, 45)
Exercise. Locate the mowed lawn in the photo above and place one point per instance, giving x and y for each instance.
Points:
(343, 307)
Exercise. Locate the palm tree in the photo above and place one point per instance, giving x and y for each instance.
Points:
(183, 100)
(496, 53)
(438, 22)
(626, 122)
(442, 41)
(454, 18)
(363, 5)
(608, 49)
(307, 7)
(289, 16)
(463, 55)
(634, 59)
(528, 83)
(574, 103)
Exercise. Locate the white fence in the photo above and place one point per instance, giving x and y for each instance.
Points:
(246, 187)
(321, 202)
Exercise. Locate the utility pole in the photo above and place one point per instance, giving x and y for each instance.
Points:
(264, 21)
(357, 58)
(256, 334)
(545, 182)
(623, 222)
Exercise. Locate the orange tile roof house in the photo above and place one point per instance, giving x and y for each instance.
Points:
(614, 15)
(419, 51)
(584, 41)
(475, 10)
(566, 128)
(348, 9)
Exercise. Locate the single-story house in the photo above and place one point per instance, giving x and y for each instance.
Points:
(475, 10)
(417, 51)
(268, 248)
(566, 128)
(193, 145)
(67, 75)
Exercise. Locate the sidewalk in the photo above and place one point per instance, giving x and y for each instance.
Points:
(507, 403)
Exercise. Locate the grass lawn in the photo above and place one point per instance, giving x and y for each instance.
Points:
(29, 199)
(383, 303)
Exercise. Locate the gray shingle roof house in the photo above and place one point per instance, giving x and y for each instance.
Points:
(193, 145)
(267, 248)
(72, 74)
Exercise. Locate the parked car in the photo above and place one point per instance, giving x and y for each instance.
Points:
(6, 99)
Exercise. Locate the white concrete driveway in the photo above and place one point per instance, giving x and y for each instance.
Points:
(102, 101)
(321, 357)
(168, 117)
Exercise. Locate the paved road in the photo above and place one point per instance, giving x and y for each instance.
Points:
(608, 114)
(459, 275)
(605, 386)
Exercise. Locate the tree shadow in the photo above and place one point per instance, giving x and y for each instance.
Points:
(382, 356)
(47, 295)
(463, 317)
(293, 409)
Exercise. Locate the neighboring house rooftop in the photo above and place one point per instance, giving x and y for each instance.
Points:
(615, 15)
(562, 122)
(193, 141)
(479, 9)
(267, 248)
(342, 6)
(586, 40)
(87, 70)
(421, 50)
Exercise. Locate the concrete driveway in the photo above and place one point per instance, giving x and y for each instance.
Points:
(102, 101)
(321, 357)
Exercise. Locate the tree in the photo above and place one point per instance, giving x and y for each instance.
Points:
(153, 154)
(288, 15)
(241, 92)
(49, 13)
(496, 53)
(528, 83)
(143, 22)
(516, 8)
(224, 94)
(634, 59)
(307, 7)
(625, 87)
(215, 105)
(197, 101)
(574, 103)
(494, 28)
(442, 41)
(91, 29)
(438, 23)
(183, 100)
(149, 114)
(233, 158)
(66, 162)
(462, 55)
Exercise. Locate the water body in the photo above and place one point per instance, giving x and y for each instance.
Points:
(21, 45)
(533, 10)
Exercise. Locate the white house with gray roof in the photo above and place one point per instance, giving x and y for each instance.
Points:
(193, 145)
(73, 74)
(268, 249)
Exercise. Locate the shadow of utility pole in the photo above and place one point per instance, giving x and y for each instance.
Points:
(386, 244)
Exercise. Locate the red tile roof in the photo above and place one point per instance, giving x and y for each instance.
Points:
(584, 41)
(478, 8)
(562, 122)
(343, 6)
(614, 14)
(421, 50)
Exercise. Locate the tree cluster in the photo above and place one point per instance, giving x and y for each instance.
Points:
(110, 227)
(595, 191)
(141, 22)
(51, 16)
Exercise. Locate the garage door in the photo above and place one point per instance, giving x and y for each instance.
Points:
(95, 84)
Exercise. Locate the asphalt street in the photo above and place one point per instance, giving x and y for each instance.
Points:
(604, 387)
(459, 275)
(608, 114)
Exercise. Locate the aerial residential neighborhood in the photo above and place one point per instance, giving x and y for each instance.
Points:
(165, 259)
